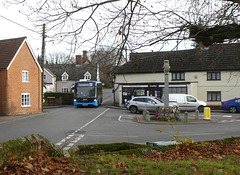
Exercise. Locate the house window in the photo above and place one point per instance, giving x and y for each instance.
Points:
(214, 96)
(87, 76)
(64, 76)
(178, 76)
(44, 76)
(25, 99)
(214, 76)
(64, 89)
(25, 76)
(178, 90)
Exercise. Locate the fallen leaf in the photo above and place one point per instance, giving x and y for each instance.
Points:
(29, 166)
(45, 169)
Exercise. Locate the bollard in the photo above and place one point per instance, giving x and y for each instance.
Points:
(197, 115)
(144, 113)
(148, 116)
(186, 116)
(207, 113)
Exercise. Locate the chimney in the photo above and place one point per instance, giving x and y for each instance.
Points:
(85, 58)
(78, 59)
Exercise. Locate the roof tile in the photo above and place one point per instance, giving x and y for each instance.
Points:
(215, 58)
(8, 49)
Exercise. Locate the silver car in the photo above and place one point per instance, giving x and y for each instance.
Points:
(138, 104)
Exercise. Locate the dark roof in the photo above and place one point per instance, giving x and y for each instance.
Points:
(215, 58)
(8, 49)
(75, 72)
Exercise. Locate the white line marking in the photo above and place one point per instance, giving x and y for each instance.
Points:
(227, 116)
(119, 119)
(75, 133)
(227, 121)
(125, 116)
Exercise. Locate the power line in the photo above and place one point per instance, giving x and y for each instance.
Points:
(19, 24)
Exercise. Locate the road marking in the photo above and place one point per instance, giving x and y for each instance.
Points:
(76, 137)
(126, 117)
(227, 116)
(227, 121)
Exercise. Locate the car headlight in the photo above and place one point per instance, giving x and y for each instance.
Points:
(95, 99)
(74, 100)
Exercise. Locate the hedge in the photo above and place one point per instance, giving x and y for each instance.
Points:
(67, 97)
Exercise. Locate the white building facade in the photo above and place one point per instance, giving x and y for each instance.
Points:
(211, 75)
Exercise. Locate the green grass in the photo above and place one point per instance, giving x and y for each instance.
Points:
(125, 158)
(117, 164)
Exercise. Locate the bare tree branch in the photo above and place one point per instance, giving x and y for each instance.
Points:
(132, 23)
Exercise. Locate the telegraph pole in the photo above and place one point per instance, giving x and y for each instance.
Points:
(42, 59)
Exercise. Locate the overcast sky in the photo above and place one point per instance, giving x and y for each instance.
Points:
(14, 24)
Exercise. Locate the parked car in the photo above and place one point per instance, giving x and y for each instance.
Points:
(187, 102)
(138, 104)
(232, 105)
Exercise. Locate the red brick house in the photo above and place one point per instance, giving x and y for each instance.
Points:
(20, 78)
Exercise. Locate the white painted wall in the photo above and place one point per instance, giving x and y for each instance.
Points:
(50, 82)
(198, 86)
(67, 84)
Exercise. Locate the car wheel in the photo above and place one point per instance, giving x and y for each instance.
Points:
(200, 108)
(133, 109)
(233, 109)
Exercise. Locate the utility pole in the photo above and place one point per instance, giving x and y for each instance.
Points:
(42, 59)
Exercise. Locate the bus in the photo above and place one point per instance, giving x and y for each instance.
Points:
(87, 93)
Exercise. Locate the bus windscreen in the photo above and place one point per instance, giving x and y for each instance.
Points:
(85, 91)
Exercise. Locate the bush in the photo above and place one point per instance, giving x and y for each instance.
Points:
(67, 97)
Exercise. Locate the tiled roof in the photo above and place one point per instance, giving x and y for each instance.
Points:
(8, 49)
(215, 58)
(75, 72)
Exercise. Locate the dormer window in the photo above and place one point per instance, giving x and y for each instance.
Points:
(87, 76)
(65, 76)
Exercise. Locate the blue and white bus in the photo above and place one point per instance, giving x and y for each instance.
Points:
(87, 93)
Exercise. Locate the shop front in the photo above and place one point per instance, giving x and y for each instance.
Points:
(156, 90)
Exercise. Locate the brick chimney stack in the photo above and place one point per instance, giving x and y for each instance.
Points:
(85, 58)
(81, 59)
(78, 59)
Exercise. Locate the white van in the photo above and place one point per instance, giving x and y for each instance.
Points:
(187, 102)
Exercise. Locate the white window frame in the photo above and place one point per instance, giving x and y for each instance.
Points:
(25, 76)
(64, 89)
(87, 76)
(65, 76)
(25, 100)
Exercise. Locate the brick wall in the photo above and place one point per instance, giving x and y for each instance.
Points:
(24, 61)
(3, 101)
